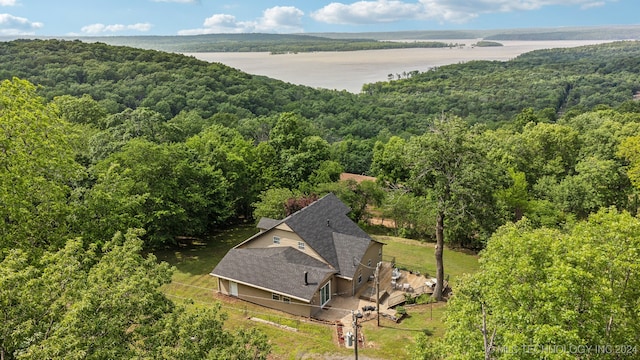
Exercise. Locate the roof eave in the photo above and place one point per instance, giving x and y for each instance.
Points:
(263, 288)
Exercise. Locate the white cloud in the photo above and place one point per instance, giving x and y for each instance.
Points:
(278, 19)
(15, 25)
(366, 12)
(95, 29)
(8, 2)
(380, 11)
(282, 19)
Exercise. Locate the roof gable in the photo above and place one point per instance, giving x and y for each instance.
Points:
(349, 251)
(267, 223)
(317, 223)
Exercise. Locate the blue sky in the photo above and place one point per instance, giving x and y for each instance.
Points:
(189, 17)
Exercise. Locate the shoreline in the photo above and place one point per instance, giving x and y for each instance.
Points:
(349, 70)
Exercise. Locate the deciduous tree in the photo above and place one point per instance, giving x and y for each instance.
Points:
(447, 164)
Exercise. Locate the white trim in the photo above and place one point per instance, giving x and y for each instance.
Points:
(328, 292)
(233, 288)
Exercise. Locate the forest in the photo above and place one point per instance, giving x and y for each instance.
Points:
(350, 41)
(109, 152)
(272, 43)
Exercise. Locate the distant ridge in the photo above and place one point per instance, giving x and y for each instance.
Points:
(610, 32)
(279, 43)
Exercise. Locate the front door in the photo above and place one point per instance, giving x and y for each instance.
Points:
(325, 294)
(233, 288)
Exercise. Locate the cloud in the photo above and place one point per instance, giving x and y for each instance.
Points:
(278, 19)
(95, 29)
(459, 11)
(367, 12)
(15, 25)
(8, 2)
(281, 19)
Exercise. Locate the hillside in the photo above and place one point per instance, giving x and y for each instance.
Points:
(481, 91)
(345, 41)
(110, 153)
(553, 81)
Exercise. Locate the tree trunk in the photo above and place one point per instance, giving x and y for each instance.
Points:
(437, 292)
(488, 343)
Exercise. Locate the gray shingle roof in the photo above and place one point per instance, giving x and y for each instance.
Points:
(279, 269)
(325, 227)
(316, 225)
(347, 248)
(267, 223)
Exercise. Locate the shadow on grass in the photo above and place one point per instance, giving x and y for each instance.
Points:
(200, 256)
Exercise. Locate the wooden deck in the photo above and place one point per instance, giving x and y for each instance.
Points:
(390, 296)
(400, 298)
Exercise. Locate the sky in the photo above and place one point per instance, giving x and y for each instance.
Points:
(192, 17)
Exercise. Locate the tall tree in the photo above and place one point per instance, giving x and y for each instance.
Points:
(449, 168)
(551, 288)
(106, 303)
(37, 167)
(167, 190)
(222, 149)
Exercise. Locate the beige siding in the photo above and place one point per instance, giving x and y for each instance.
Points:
(368, 264)
(344, 287)
(264, 298)
(287, 238)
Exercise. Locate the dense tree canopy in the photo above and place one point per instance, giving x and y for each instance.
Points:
(37, 168)
(548, 288)
(78, 303)
(97, 140)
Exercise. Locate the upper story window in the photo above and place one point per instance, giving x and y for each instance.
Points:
(369, 263)
(300, 245)
(276, 240)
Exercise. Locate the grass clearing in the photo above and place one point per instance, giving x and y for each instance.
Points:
(419, 256)
(193, 285)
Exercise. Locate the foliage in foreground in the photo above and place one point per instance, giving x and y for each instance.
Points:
(544, 293)
(106, 303)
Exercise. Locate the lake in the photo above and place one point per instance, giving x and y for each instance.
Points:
(349, 70)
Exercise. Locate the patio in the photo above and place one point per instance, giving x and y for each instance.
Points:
(339, 309)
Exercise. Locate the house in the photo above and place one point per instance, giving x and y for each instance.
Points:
(299, 263)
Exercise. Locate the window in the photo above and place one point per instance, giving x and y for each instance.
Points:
(276, 240)
(275, 297)
(300, 245)
(325, 294)
(369, 263)
(360, 277)
(286, 300)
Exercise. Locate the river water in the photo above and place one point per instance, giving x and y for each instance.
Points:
(349, 70)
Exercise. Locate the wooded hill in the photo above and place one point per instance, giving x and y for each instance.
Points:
(295, 137)
(162, 147)
(272, 43)
(290, 43)
(491, 92)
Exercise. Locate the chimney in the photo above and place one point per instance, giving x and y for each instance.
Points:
(306, 278)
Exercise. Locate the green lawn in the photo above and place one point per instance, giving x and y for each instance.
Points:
(193, 284)
(419, 256)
